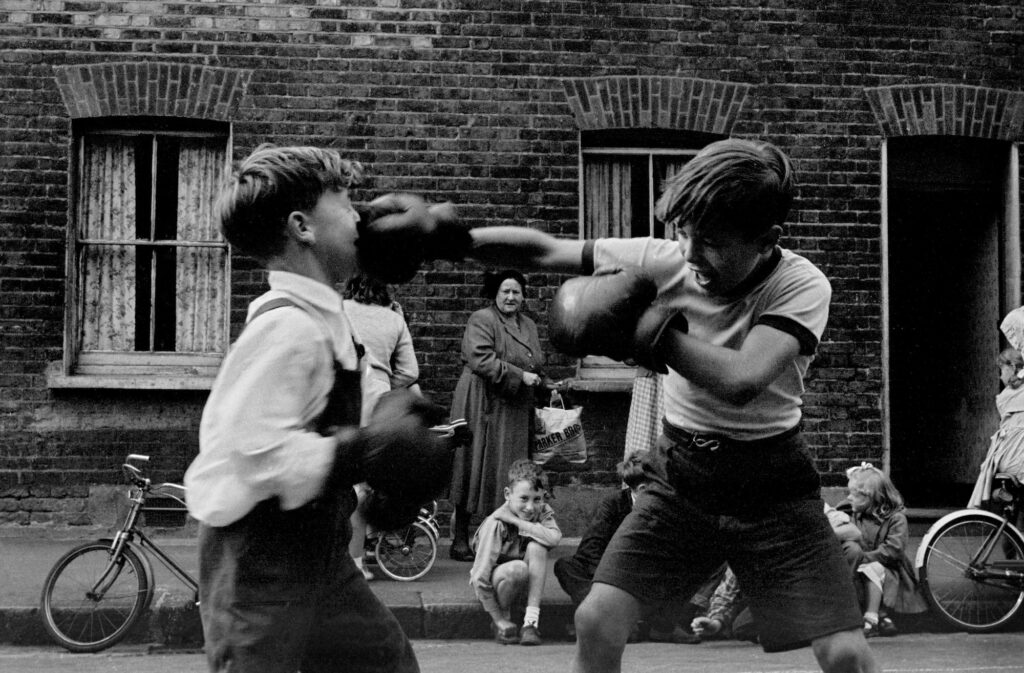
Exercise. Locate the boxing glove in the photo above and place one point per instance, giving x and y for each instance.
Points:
(598, 315)
(397, 451)
(398, 232)
(650, 329)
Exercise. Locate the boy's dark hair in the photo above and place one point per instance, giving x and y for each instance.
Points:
(631, 469)
(528, 471)
(366, 290)
(742, 184)
(273, 182)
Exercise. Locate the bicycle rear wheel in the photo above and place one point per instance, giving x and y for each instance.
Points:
(964, 601)
(82, 619)
(407, 553)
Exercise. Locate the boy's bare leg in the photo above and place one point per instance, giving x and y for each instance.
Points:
(845, 652)
(537, 567)
(603, 623)
(509, 581)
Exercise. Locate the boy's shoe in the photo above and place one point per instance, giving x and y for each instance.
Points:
(871, 630)
(677, 635)
(507, 636)
(886, 628)
(529, 635)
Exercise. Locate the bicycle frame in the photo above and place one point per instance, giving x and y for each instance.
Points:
(130, 530)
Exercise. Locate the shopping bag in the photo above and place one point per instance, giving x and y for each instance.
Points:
(559, 432)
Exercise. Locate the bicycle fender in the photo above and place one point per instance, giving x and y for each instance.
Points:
(926, 541)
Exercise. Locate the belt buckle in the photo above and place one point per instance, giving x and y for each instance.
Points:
(704, 443)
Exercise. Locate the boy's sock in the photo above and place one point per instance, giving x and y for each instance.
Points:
(532, 616)
(871, 618)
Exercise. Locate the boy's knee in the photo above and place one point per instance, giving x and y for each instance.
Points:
(515, 572)
(844, 652)
(536, 553)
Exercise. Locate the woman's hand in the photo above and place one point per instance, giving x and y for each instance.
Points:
(531, 379)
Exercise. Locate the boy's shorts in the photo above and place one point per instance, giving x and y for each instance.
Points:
(755, 505)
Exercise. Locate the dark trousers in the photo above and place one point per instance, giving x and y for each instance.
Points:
(280, 593)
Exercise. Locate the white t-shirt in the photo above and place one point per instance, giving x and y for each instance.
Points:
(789, 294)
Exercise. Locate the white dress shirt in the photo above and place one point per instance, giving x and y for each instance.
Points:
(257, 438)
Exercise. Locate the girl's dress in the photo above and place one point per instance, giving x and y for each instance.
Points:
(1006, 451)
(884, 543)
(646, 411)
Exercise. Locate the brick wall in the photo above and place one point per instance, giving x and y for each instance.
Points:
(480, 102)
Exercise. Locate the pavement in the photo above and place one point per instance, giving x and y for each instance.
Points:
(440, 605)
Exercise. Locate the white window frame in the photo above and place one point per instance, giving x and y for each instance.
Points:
(597, 373)
(104, 366)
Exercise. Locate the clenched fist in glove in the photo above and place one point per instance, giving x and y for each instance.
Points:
(397, 453)
(398, 232)
(612, 315)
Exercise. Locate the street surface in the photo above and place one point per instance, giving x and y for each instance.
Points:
(915, 653)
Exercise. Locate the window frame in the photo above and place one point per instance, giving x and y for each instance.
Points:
(598, 373)
(144, 369)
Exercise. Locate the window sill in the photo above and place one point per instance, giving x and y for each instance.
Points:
(57, 379)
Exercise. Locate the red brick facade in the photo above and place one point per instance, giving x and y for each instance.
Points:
(481, 102)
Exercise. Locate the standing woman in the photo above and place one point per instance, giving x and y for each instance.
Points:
(501, 359)
(391, 365)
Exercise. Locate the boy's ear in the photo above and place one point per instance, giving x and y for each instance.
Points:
(508, 493)
(298, 228)
(770, 238)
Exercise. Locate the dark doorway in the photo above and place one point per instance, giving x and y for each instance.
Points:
(945, 270)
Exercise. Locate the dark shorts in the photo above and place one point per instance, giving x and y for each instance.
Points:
(758, 507)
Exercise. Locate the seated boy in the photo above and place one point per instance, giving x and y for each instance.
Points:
(576, 573)
(511, 547)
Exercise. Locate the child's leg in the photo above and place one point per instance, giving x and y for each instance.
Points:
(510, 581)
(603, 624)
(356, 546)
(537, 567)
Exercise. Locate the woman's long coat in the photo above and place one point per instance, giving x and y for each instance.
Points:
(491, 396)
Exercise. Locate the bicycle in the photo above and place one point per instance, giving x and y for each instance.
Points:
(96, 592)
(408, 553)
(971, 562)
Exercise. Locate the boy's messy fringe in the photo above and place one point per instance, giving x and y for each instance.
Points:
(740, 182)
(272, 182)
(528, 471)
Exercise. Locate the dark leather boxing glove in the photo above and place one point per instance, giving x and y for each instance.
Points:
(398, 232)
(650, 330)
(598, 315)
(397, 452)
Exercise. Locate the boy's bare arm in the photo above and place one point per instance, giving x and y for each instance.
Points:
(524, 248)
(736, 376)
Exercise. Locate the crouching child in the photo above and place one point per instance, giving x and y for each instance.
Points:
(511, 548)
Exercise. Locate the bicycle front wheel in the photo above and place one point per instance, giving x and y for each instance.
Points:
(958, 595)
(408, 553)
(91, 599)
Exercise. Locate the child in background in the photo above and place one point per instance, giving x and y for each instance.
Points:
(511, 548)
(883, 574)
(1006, 452)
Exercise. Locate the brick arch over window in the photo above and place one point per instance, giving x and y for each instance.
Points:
(704, 105)
(151, 89)
(948, 109)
